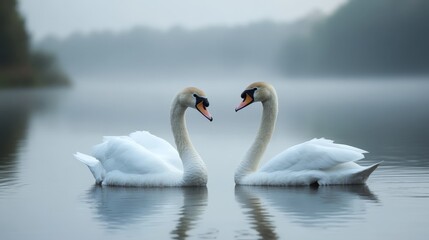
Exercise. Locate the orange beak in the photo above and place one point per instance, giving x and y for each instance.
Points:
(203, 110)
(247, 101)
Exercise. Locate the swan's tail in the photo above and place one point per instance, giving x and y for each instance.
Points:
(364, 174)
(93, 164)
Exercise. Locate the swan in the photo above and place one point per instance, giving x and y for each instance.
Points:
(315, 162)
(145, 160)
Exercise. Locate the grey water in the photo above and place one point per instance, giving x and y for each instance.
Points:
(46, 194)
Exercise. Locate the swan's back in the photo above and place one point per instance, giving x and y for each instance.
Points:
(316, 154)
(126, 155)
(158, 146)
(318, 161)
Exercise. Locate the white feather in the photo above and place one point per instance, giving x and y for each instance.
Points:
(94, 166)
(318, 161)
(145, 160)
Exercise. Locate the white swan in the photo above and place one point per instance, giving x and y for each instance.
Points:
(318, 161)
(144, 160)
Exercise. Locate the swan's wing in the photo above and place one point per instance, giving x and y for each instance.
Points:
(316, 154)
(125, 155)
(158, 146)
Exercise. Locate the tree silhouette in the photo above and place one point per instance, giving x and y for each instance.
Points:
(365, 37)
(14, 50)
(19, 66)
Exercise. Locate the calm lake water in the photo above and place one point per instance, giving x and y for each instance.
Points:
(46, 194)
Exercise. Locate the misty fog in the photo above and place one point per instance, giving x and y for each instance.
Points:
(361, 38)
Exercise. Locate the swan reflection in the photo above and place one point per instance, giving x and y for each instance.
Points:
(119, 207)
(256, 212)
(328, 206)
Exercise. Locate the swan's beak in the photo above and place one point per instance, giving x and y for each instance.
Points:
(246, 101)
(203, 110)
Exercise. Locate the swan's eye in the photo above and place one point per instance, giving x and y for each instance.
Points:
(202, 100)
(195, 95)
(250, 92)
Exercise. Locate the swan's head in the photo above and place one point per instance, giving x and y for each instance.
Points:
(195, 98)
(255, 92)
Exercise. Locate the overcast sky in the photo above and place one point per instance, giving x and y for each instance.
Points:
(62, 17)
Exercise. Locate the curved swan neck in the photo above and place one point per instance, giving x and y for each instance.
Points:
(251, 160)
(194, 170)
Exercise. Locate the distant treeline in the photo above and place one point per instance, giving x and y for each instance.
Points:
(146, 49)
(361, 37)
(364, 37)
(20, 66)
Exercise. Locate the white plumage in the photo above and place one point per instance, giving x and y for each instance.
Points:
(145, 160)
(140, 159)
(318, 161)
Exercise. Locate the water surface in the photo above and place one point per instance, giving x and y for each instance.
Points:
(46, 194)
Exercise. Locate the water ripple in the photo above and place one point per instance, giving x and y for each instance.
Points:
(117, 207)
(328, 206)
